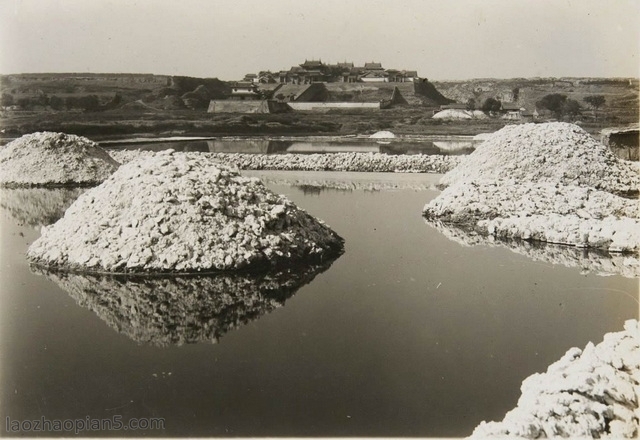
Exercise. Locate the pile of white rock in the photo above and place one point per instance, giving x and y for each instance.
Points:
(54, 159)
(590, 393)
(359, 162)
(180, 310)
(174, 212)
(547, 182)
(556, 152)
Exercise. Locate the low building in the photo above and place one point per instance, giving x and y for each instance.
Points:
(511, 111)
(375, 76)
(245, 90)
(250, 77)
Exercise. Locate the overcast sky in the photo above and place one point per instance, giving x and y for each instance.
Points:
(441, 39)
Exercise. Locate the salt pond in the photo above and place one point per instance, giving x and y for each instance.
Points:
(408, 333)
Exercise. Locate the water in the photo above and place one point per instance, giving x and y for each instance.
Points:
(436, 145)
(408, 333)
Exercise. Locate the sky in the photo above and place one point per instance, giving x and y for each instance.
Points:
(441, 39)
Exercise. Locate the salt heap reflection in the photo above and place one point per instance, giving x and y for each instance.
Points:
(599, 262)
(37, 206)
(164, 311)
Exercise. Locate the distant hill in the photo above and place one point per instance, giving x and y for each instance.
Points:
(148, 93)
(91, 91)
(621, 94)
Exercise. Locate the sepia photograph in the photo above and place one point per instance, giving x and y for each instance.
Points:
(319, 219)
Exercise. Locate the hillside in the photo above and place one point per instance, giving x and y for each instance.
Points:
(91, 92)
(416, 94)
(621, 94)
(121, 105)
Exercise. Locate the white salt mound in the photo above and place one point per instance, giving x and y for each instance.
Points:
(382, 135)
(545, 182)
(54, 159)
(565, 214)
(590, 393)
(556, 152)
(181, 213)
(454, 114)
(359, 162)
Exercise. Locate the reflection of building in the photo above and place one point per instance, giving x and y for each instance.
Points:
(187, 309)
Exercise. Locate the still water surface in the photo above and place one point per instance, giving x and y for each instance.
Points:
(407, 333)
(451, 145)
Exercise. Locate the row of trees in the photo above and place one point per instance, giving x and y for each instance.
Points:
(560, 105)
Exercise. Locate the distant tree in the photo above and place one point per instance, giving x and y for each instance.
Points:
(89, 103)
(56, 103)
(553, 102)
(595, 101)
(516, 93)
(24, 103)
(471, 104)
(6, 100)
(571, 108)
(491, 105)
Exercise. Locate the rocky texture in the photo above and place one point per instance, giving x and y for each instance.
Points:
(361, 162)
(54, 159)
(556, 152)
(166, 311)
(580, 216)
(590, 393)
(175, 212)
(37, 206)
(546, 182)
(588, 261)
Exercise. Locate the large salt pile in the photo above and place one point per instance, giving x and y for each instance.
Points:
(181, 213)
(590, 393)
(185, 309)
(546, 182)
(556, 152)
(54, 159)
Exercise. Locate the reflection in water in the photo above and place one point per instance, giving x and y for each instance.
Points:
(37, 206)
(187, 309)
(595, 261)
(263, 146)
(316, 186)
(258, 146)
(183, 146)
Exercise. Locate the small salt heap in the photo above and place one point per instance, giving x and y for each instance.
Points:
(54, 159)
(181, 213)
(590, 393)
